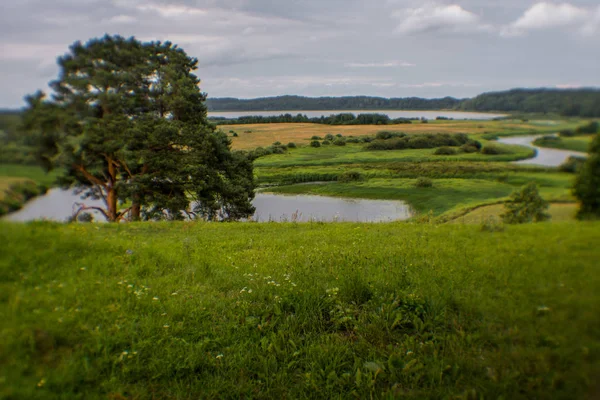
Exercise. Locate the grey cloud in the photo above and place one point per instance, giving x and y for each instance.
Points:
(252, 48)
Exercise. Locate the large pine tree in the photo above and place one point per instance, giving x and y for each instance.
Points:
(128, 124)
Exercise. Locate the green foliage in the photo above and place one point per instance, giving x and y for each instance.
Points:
(399, 141)
(445, 150)
(587, 183)
(291, 145)
(315, 143)
(493, 149)
(339, 142)
(326, 142)
(589, 128)
(526, 205)
(127, 122)
(349, 176)
(572, 164)
(423, 182)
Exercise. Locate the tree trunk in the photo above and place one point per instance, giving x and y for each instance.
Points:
(111, 203)
(135, 208)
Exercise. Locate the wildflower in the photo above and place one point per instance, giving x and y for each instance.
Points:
(249, 290)
(155, 298)
(543, 309)
(174, 294)
(129, 252)
(408, 353)
(130, 285)
(219, 356)
(82, 268)
(41, 382)
(166, 326)
(243, 290)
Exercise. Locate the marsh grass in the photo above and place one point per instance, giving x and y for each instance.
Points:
(311, 310)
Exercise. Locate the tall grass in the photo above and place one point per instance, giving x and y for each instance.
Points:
(313, 310)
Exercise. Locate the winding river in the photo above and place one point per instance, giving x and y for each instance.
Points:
(546, 157)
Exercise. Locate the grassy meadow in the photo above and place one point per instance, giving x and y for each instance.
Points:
(312, 310)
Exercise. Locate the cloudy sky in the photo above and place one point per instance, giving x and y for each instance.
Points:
(255, 48)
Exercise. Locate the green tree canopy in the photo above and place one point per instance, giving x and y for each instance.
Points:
(525, 205)
(128, 124)
(587, 184)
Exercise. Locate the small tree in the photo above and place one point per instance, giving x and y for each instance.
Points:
(587, 184)
(526, 205)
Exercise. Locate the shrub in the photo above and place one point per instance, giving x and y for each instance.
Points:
(587, 183)
(474, 143)
(572, 164)
(326, 142)
(316, 138)
(291, 145)
(445, 151)
(235, 134)
(468, 148)
(349, 176)
(492, 149)
(492, 224)
(315, 143)
(353, 140)
(329, 137)
(566, 133)
(339, 135)
(339, 142)
(423, 182)
(383, 135)
(277, 144)
(591, 127)
(525, 205)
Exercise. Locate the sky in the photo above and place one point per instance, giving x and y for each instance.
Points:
(258, 48)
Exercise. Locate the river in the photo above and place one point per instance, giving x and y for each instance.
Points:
(59, 205)
(546, 157)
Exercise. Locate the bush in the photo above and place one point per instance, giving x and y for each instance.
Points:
(525, 205)
(277, 144)
(467, 148)
(572, 164)
(592, 127)
(315, 143)
(353, 140)
(316, 138)
(326, 143)
(492, 149)
(566, 133)
(291, 145)
(587, 183)
(339, 142)
(448, 151)
(349, 176)
(329, 137)
(423, 182)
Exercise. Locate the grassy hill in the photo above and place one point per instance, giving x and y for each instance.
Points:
(313, 310)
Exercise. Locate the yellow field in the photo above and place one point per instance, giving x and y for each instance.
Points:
(558, 211)
(255, 135)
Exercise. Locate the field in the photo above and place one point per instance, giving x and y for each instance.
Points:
(254, 135)
(202, 310)
(19, 183)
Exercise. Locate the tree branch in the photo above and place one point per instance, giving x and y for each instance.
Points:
(89, 176)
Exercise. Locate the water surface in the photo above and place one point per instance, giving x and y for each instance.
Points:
(59, 205)
(390, 113)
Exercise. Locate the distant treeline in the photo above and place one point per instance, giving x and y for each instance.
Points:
(567, 102)
(334, 119)
(330, 103)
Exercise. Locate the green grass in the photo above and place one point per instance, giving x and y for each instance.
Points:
(558, 212)
(577, 143)
(32, 172)
(206, 310)
(356, 154)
